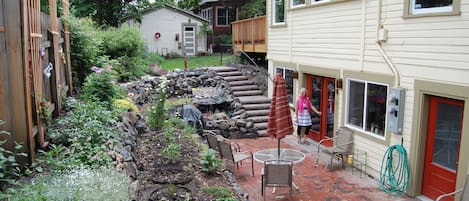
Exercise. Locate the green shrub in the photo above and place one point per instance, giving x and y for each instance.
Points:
(180, 124)
(78, 184)
(172, 152)
(89, 131)
(157, 113)
(9, 168)
(221, 193)
(56, 158)
(123, 41)
(85, 42)
(209, 161)
(100, 86)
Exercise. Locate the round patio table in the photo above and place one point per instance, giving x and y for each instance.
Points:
(292, 155)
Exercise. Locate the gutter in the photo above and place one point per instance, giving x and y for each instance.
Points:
(380, 47)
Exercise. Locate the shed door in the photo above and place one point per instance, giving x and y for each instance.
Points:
(189, 40)
(442, 146)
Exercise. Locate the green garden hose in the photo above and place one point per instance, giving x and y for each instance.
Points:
(394, 174)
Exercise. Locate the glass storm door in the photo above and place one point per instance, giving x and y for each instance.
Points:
(322, 95)
(189, 40)
(442, 147)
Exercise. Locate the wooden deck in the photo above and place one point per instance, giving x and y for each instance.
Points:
(250, 35)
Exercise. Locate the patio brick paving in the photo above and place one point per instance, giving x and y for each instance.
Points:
(314, 183)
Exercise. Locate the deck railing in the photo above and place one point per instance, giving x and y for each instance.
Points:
(249, 35)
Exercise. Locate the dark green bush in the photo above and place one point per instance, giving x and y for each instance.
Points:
(123, 41)
(101, 87)
(85, 42)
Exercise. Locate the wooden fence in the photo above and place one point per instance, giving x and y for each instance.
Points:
(34, 70)
(250, 35)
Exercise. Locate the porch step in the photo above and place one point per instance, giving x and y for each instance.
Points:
(244, 88)
(240, 83)
(261, 126)
(262, 106)
(252, 113)
(259, 119)
(247, 93)
(254, 99)
(230, 73)
(221, 68)
(262, 133)
(236, 78)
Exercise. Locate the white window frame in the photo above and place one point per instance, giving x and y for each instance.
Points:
(298, 5)
(208, 15)
(319, 1)
(365, 105)
(274, 14)
(227, 17)
(283, 76)
(430, 10)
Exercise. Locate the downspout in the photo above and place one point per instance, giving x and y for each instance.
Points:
(381, 50)
(362, 42)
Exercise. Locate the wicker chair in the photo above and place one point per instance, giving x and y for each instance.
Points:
(343, 144)
(226, 152)
(277, 173)
(464, 191)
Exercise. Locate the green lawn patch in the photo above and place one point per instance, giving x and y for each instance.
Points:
(196, 62)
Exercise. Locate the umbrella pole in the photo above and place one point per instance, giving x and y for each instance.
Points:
(278, 156)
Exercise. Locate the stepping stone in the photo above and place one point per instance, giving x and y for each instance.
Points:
(253, 113)
(256, 106)
(236, 78)
(253, 99)
(240, 83)
(259, 119)
(230, 73)
(248, 93)
(244, 88)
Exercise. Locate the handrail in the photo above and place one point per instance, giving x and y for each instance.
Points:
(239, 49)
(250, 59)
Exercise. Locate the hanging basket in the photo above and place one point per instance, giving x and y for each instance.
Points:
(157, 35)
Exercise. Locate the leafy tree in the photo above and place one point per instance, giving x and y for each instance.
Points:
(109, 12)
(186, 4)
(252, 8)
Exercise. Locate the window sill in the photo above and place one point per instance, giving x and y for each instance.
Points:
(278, 25)
(370, 136)
(316, 4)
(410, 16)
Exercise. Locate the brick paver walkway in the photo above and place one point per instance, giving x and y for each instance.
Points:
(314, 183)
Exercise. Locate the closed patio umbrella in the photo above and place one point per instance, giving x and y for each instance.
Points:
(280, 122)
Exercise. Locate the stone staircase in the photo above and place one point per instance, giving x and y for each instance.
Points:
(255, 104)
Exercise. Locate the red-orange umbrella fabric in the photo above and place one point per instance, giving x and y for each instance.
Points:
(280, 122)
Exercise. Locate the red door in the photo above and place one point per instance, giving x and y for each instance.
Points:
(322, 95)
(442, 146)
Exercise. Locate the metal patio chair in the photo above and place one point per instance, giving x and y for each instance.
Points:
(464, 191)
(212, 141)
(342, 145)
(226, 152)
(277, 173)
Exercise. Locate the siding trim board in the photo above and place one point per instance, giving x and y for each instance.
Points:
(422, 90)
